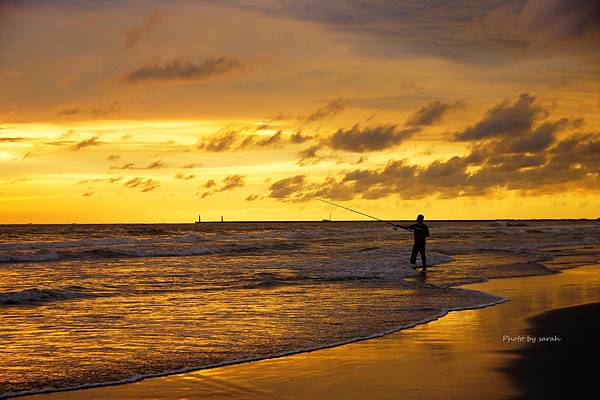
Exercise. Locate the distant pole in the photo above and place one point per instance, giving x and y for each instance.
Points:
(221, 218)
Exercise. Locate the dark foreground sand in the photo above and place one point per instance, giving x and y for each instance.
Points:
(465, 355)
(570, 370)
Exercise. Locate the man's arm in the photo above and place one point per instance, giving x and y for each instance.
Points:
(403, 227)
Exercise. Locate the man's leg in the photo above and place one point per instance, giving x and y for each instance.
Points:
(413, 254)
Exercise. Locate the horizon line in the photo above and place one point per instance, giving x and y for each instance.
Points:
(300, 221)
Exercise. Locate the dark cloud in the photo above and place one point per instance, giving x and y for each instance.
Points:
(542, 137)
(310, 156)
(125, 166)
(280, 189)
(266, 126)
(544, 23)
(145, 185)
(184, 177)
(431, 113)
(235, 140)
(232, 182)
(87, 194)
(229, 183)
(505, 119)
(252, 197)
(94, 111)
(153, 165)
(12, 139)
(220, 142)
(113, 157)
(539, 166)
(192, 165)
(93, 141)
(374, 138)
(100, 180)
(182, 69)
(258, 141)
(298, 138)
(467, 30)
(143, 29)
(330, 110)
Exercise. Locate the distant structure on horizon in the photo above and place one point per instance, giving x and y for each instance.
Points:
(200, 220)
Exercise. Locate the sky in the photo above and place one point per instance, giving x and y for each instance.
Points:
(151, 111)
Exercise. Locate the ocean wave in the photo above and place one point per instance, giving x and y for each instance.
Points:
(436, 313)
(120, 251)
(111, 241)
(38, 296)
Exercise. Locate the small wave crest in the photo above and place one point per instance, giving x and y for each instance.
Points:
(34, 296)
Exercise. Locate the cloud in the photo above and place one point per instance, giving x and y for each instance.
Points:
(153, 165)
(465, 30)
(235, 140)
(256, 141)
(539, 139)
(555, 24)
(220, 142)
(505, 119)
(309, 156)
(535, 161)
(229, 183)
(374, 138)
(280, 189)
(431, 113)
(145, 185)
(142, 30)
(330, 110)
(298, 138)
(94, 111)
(113, 157)
(192, 165)
(93, 141)
(232, 182)
(100, 180)
(184, 177)
(182, 69)
(87, 194)
(562, 19)
(253, 197)
(12, 139)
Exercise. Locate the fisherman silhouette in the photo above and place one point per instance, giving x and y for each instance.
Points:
(421, 232)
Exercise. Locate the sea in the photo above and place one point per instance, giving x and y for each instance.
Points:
(88, 305)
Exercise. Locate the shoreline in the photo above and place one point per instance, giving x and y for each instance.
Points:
(181, 378)
(140, 378)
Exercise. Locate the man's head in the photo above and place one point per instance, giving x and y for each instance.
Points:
(420, 218)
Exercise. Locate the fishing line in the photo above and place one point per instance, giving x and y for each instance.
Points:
(340, 206)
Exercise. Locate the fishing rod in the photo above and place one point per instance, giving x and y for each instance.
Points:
(345, 208)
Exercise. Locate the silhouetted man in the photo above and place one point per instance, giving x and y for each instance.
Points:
(421, 232)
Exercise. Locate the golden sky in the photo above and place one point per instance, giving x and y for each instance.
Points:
(148, 111)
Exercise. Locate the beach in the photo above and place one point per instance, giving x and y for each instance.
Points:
(465, 354)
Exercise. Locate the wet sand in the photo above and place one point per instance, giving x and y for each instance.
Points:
(568, 371)
(466, 354)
